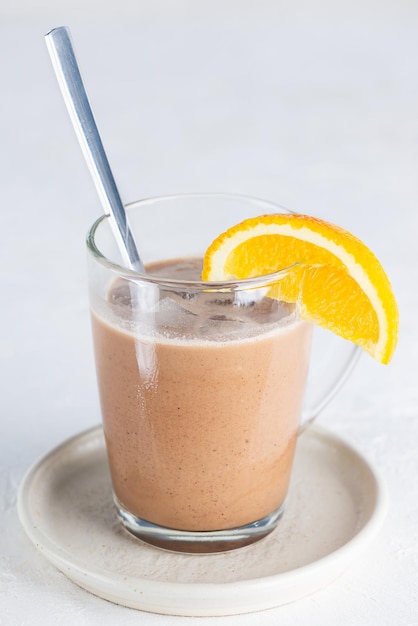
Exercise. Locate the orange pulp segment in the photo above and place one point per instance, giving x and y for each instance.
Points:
(337, 281)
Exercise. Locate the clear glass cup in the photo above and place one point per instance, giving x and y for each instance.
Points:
(202, 385)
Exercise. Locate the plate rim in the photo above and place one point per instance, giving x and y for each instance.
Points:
(329, 566)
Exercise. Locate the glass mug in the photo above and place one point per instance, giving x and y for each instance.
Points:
(201, 385)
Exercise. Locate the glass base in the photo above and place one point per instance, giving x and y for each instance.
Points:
(198, 542)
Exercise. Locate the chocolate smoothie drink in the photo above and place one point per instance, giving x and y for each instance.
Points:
(201, 400)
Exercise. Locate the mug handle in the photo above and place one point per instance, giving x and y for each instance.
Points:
(332, 361)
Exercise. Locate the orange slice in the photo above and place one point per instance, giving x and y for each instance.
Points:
(337, 281)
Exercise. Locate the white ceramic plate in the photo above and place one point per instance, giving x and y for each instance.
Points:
(336, 505)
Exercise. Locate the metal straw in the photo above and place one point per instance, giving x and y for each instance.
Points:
(69, 79)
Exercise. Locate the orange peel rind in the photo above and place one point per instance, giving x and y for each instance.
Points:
(336, 279)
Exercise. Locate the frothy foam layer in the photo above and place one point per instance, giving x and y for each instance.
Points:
(193, 315)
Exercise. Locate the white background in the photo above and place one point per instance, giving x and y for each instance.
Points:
(313, 105)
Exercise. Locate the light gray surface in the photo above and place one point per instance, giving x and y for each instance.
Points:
(312, 105)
